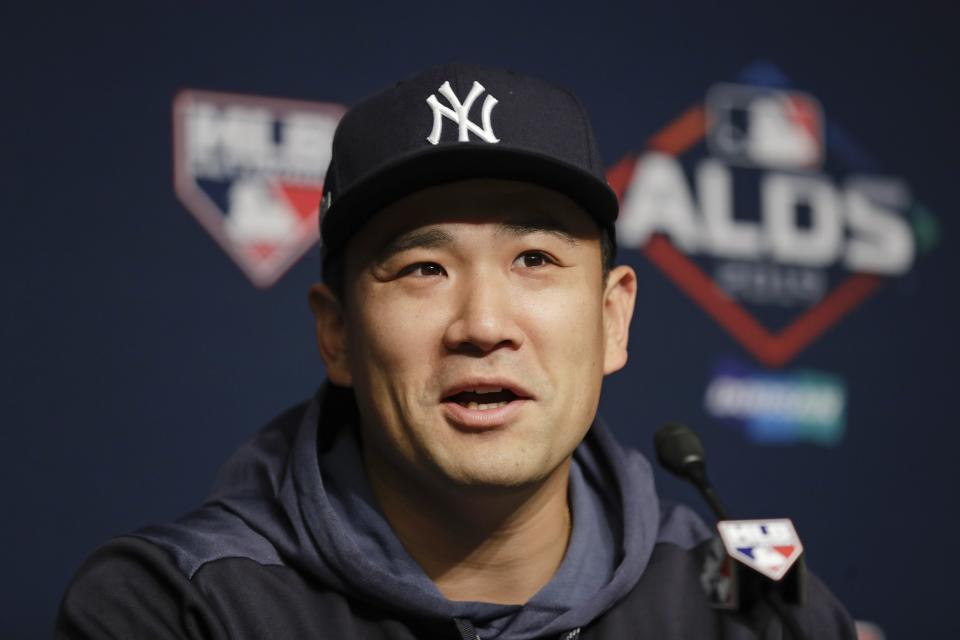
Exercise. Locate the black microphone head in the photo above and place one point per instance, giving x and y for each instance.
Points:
(679, 449)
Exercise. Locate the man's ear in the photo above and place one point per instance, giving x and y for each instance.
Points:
(619, 297)
(331, 334)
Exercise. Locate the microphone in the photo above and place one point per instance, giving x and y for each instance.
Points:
(680, 452)
(760, 559)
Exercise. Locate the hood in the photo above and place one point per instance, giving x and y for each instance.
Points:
(300, 485)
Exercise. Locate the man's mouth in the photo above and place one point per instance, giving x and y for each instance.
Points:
(483, 398)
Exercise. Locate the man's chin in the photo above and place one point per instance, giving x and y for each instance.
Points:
(489, 472)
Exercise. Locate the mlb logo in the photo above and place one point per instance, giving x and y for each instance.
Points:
(770, 547)
(251, 170)
(763, 127)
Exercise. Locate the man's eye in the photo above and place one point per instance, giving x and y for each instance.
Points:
(422, 269)
(533, 259)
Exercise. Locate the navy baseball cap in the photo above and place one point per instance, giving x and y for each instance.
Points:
(458, 122)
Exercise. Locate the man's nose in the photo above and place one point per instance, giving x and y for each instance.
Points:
(485, 317)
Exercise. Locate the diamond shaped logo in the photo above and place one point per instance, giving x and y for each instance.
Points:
(769, 547)
(766, 214)
(251, 170)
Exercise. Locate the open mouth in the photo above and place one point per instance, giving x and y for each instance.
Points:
(483, 399)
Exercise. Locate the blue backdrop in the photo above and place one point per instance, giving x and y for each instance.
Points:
(137, 355)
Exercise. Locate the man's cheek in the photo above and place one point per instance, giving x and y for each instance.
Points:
(383, 334)
(573, 321)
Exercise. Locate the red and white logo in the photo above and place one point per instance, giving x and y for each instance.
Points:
(770, 547)
(760, 211)
(251, 170)
(763, 127)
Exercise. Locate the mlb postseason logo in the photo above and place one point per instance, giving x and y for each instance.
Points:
(767, 215)
(770, 218)
(770, 547)
(251, 170)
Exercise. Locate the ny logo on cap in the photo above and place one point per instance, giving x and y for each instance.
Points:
(460, 113)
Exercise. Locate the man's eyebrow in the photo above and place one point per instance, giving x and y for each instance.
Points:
(537, 226)
(419, 239)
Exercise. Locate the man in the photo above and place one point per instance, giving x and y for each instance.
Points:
(450, 479)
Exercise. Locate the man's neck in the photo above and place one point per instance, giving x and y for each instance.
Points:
(499, 546)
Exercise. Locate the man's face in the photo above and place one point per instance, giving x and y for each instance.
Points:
(476, 331)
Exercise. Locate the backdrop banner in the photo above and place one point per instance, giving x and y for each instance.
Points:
(787, 202)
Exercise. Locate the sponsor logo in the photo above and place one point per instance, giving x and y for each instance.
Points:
(251, 169)
(460, 113)
(767, 215)
(778, 407)
(767, 546)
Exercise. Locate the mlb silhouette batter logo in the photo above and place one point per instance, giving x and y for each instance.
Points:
(770, 547)
(251, 170)
(763, 127)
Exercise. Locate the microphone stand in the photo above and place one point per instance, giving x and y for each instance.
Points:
(680, 451)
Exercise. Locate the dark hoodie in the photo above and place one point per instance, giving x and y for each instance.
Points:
(291, 544)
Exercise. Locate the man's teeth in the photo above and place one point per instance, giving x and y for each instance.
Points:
(486, 405)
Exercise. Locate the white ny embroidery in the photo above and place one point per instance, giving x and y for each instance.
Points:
(460, 113)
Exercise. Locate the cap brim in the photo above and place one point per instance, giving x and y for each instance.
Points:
(442, 165)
